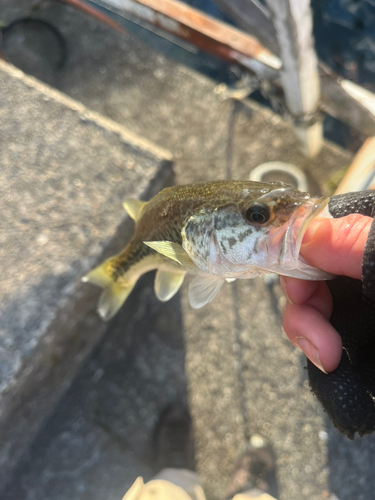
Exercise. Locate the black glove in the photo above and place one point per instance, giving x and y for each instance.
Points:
(348, 393)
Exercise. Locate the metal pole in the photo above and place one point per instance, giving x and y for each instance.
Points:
(292, 21)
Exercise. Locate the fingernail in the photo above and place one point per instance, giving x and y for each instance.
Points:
(310, 351)
(285, 289)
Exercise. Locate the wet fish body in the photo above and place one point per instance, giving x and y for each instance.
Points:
(217, 231)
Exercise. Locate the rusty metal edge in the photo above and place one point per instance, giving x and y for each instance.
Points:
(237, 47)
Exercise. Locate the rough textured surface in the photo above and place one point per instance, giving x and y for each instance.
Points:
(242, 374)
(62, 172)
(98, 439)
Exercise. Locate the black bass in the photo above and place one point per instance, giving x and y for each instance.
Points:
(217, 231)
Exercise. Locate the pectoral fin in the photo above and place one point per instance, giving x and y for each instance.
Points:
(172, 251)
(167, 284)
(134, 208)
(203, 289)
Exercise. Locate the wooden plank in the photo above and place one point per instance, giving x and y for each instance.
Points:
(203, 31)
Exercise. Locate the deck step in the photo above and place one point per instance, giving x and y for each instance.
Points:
(65, 172)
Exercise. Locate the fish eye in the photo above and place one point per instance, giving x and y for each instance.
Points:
(257, 214)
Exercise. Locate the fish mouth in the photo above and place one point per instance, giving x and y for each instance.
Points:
(296, 227)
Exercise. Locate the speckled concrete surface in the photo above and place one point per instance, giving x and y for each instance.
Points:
(98, 439)
(242, 374)
(62, 172)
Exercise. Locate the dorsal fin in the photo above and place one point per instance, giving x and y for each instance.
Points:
(134, 207)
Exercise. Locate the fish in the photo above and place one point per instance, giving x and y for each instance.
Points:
(216, 231)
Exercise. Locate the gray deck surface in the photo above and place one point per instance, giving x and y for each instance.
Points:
(229, 360)
(63, 169)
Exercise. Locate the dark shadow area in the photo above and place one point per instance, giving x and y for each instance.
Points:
(35, 46)
(97, 441)
(351, 465)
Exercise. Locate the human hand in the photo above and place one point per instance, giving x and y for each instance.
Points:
(336, 246)
(344, 246)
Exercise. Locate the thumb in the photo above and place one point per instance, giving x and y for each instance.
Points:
(337, 245)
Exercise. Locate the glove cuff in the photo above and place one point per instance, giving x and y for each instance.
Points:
(368, 266)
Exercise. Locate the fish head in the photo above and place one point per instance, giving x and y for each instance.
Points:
(258, 231)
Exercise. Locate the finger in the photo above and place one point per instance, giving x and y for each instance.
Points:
(337, 245)
(306, 324)
(312, 333)
(313, 293)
